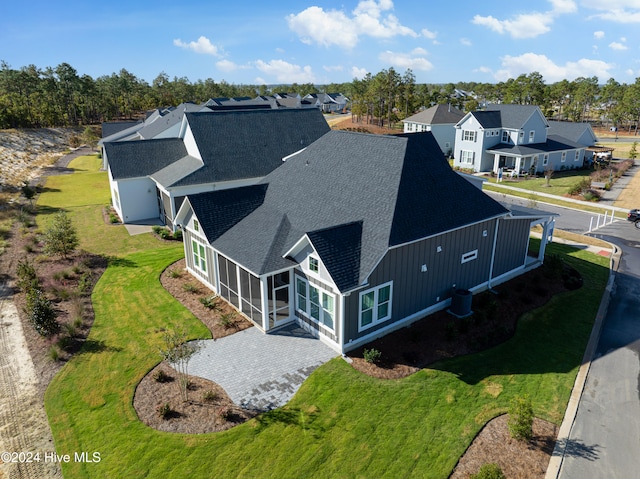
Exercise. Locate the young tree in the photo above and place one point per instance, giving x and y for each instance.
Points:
(60, 237)
(179, 352)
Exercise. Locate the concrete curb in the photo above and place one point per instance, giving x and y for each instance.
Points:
(557, 457)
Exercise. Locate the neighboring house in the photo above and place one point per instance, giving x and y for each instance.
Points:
(218, 104)
(580, 133)
(328, 102)
(349, 239)
(163, 123)
(514, 138)
(440, 120)
(212, 151)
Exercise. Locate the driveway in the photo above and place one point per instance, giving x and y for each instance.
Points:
(261, 371)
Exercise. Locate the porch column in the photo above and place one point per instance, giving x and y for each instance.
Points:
(265, 302)
(496, 163)
(547, 237)
(518, 163)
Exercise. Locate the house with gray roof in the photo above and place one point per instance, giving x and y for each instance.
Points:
(440, 120)
(327, 102)
(347, 238)
(517, 139)
(211, 151)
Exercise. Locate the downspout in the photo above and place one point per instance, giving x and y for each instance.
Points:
(493, 253)
(341, 340)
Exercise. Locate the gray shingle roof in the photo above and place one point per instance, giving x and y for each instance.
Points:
(154, 128)
(437, 115)
(390, 186)
(135, 159)
(514, 116)
(553, 143)
(488, 119)
(249, 143)
(572, 131)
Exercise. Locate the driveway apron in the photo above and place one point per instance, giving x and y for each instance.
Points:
(261, 371)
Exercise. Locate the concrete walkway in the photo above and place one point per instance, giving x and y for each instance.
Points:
(261, 371)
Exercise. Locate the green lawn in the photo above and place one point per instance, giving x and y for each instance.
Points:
(560, 183)
(340, 424)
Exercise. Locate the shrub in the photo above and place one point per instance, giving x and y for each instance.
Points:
(210, 302)
(190, 288)
(85, 282)
(41, 313)
(156, 229)
(581, 186)
(177, 235)
(27, 278)
(489, 471)
(209, 395)
(161, 377)
(54, 353)
(174, 273)
(521, 419)
(372, 355)
(164, 410)
(228, 320)
(71, 330)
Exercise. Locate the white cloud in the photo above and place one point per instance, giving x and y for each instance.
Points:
(335, 27)
(563, 6)
(285, 72)
(260, 81)
(202, 45)
(629, 72)
(332, 68)
(522, 26)
(413, 60)
(512, 67)
(619, 11)
(527, 25)
(466, 42)
(229, 66)
(358, 73)
(429, 34)
(618, 46)
(599, 35)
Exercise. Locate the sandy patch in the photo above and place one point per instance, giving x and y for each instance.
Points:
(23, 422)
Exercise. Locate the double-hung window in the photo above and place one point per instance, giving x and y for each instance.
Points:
(505, 137)
(199, 256)
(467, 157)
(564, 157)
(468, 135)
(375, 306)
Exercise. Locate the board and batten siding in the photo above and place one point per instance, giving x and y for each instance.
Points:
(511, 245)
(415, 290)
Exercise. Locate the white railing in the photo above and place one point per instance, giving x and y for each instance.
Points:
(601, 220)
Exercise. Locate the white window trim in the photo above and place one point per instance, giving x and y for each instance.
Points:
(468, 135)
(201, 259)
(196, 226)
(376, 320)
(577, 155)
(505, 136)
(545, 159)
(532, 136)
(470, 256)
(466, 155)
(317, 265)
(307, 312)
(563, 157)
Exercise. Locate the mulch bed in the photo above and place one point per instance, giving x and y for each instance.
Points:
(208, 409)
(177, 281)
(442, 335)
(517, 459)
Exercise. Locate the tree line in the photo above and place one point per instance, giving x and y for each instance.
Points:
(31, 97)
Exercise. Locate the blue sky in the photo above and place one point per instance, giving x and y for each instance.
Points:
(323, 41)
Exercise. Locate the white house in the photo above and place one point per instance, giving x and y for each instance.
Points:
(515, 138)
(440, 120)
